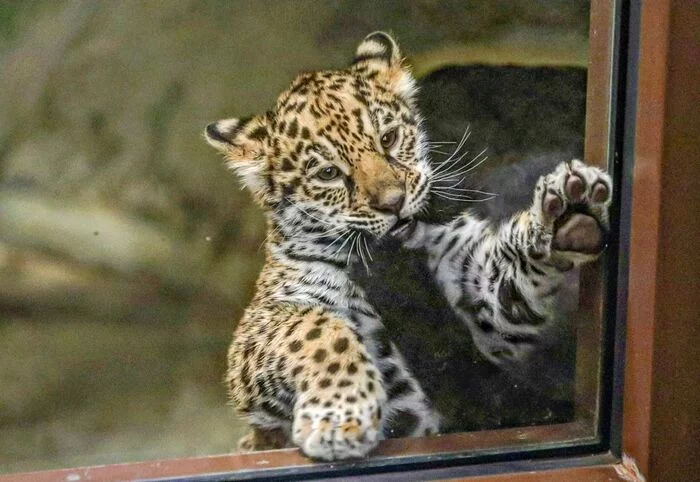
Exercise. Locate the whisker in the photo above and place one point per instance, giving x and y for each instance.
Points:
(461, 192)
(352, 247)
(461, 142)
(469, 166)
(441, 142)
(476, 157)
(342, 235)
(448, 180)
(309, 214)
(324, 234)
(361, 253)
(364, 240)
(446, 170)
(347, 237)
(269, 235)
(443, 164)
(458, 192)
(456, 197)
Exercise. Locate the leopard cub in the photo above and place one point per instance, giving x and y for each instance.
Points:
(339, 161)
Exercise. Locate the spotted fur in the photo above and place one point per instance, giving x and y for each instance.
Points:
(339, 161)
(503, 281)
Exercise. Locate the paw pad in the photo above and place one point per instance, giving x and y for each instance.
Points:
(600, 192)
(552, 204)
(573, 216)
(579, 233)
(575, 187)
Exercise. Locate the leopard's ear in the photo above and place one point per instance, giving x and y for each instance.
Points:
(242, 141)
(378, 51)
(378, 55)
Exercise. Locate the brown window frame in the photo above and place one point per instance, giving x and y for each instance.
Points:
(660, 133)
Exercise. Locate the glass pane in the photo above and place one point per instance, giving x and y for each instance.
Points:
(128, 253)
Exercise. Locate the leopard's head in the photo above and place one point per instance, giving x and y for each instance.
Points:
(341, 152)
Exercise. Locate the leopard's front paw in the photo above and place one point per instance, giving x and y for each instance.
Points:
(339, 425)
(571, 211)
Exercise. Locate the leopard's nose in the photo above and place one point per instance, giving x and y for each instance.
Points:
(390, 201)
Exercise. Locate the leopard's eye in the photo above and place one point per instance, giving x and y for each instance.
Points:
(328, 173)
(389, 138)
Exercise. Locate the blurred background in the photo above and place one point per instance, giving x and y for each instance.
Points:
(127, 252)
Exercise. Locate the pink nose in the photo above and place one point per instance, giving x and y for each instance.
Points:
(389, 201)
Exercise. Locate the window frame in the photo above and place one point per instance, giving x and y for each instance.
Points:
(619, 129)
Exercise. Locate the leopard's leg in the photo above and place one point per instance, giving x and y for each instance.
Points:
(503, 281)
(566, 226)
(305, 371)
(409, 411)
(333, 387)
(366, 393)
(340, 399)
